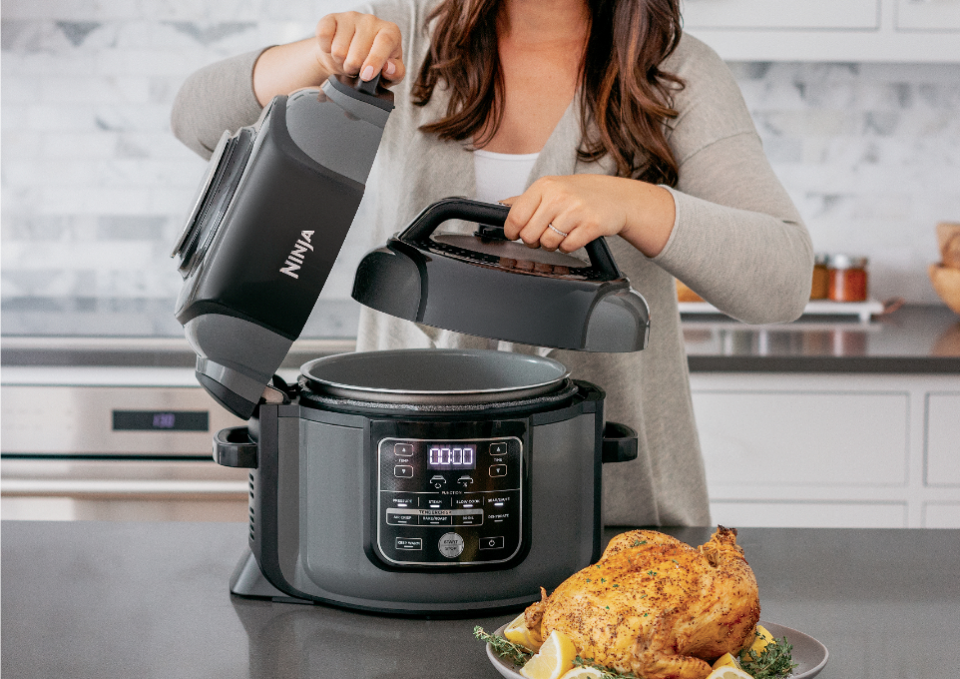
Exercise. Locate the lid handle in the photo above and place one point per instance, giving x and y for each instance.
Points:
(494, 216)
(368, 86)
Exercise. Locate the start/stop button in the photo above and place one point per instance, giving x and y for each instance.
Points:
(451, 545)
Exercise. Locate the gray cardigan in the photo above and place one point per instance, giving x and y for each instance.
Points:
(738, 241)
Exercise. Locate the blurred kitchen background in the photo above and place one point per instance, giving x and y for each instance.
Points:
(858, 105)
(96, 188)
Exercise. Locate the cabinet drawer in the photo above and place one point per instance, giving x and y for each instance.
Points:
(810, 514)
(928, 15)
(943, 440)
(781, 14)
(803, 438)
(941, 515)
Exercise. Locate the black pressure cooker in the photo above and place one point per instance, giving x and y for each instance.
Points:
(437, 482)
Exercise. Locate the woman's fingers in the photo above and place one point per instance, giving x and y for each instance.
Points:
(532, 215)
(534, 232)
(385, 55)
(566, 213)
(362, 45)
(326, 29)
(522, 208)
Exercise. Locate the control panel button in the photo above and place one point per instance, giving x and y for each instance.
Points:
(465, 481)
(438, 481)
(500, 508)
(434, 502)
(403, 471)
(498, 470)
(498, 448)
(435, 520)
(398, 517)
(403, 501)
(491, 543)
(451, 545)
(403, 449)
(470, 519)
(469, 501)
(498, 501)
(410, 543)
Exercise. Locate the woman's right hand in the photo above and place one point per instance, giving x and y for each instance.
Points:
(347, 43)
(353, 44)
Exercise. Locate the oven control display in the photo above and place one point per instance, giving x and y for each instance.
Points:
(449, 502)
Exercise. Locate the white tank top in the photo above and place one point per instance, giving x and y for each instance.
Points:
(501, 175)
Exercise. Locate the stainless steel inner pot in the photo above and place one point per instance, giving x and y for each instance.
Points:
(435, 376)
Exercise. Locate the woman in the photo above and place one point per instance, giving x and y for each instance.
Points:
(590, 118)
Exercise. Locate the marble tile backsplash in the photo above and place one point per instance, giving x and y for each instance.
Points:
(95, 187)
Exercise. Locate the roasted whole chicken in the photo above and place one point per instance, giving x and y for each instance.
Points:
(655, 606)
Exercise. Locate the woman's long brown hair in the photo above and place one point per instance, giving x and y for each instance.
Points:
(624, 92)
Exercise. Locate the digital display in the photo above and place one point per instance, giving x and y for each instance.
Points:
(451, 456)
(161, 420)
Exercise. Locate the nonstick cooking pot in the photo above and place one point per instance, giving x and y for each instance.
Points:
(424, 481)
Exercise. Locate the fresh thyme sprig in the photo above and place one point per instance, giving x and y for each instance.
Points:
(606, 671)
(774, 662)
(515, 653)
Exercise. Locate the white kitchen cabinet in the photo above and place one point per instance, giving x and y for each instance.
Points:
(821, 30)
(928, 15)
(830, 449)
(806, 514)
(943, 440)
(781, 14)
(806, 437)
(941, 515)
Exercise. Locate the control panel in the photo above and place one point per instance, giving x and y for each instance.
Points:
(449, 501)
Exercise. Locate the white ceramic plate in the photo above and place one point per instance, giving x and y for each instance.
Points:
(809, 654)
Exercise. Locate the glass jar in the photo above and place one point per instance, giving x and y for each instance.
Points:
(820, 287)
(848, 278)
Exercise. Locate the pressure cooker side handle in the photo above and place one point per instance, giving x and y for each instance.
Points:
(233, 447)
(490, 215)
(620, 443)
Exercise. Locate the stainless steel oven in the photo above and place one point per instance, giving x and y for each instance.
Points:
(116, 429)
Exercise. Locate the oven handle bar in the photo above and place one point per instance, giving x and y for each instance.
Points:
(102, 488)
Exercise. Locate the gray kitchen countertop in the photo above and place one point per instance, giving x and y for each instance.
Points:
(105, 600)
(913, 339)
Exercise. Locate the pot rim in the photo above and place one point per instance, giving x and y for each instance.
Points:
(434, 376)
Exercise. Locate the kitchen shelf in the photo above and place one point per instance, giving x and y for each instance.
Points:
(862, 310)
(818, 30)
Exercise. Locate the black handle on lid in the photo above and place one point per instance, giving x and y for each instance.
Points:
(368, 86)
(493, 217)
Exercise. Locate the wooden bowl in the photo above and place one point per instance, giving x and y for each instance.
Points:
(948, 238)
(946, 281)
(685, 294)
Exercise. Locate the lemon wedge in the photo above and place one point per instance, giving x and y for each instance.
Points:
(554, 659)
(728, 673)
(518, 632)
(760, 641)
(726, 660)
(583, 673)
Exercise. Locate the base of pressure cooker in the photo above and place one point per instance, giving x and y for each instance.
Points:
(250, 583)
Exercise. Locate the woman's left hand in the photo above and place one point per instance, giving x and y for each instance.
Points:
(581, 208)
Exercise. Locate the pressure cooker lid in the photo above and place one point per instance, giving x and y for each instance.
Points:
(442, 376)
(515, 255)
(487, 286)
